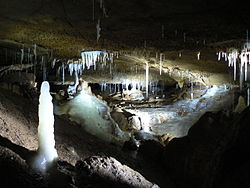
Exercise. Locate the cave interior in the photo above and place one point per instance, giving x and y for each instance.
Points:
(135, 93)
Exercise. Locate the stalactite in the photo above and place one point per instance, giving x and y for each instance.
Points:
(162, 31)
(63, 74)
(28, 58)
(35, 52)
(241, 73)
(53, 63)
(22, 55)
(248, 96)
(147, 74)
(93, 10)
(101, 4)
(105, 86)
(219, 55)
(198, 56)
(226, 58)
(98, 30)
(161, 59)
(44, 68)
(245, 64)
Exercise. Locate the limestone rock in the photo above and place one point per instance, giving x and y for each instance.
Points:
(14, 171)
(241, 105)
(133, 95)
(134, 123)
(120, 119)
(108, 172)
(213, 154)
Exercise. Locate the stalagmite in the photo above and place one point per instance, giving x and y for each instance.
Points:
(46, 152)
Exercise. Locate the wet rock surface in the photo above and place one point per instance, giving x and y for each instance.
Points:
(212, 151)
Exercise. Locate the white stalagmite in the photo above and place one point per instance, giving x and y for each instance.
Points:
(46, 152)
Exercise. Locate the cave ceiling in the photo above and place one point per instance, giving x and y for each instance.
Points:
(69, 27)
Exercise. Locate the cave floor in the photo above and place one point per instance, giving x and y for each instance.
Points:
(72, 142)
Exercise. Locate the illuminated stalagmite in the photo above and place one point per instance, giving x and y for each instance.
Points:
(46, 152)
